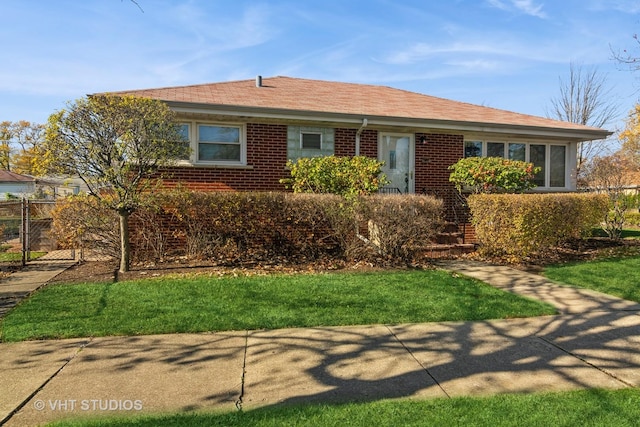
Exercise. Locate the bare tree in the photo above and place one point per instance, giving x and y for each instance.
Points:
(137, 4)
(611, 175)
(627, 58)
(585, 99)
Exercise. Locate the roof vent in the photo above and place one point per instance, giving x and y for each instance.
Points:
(259, 81)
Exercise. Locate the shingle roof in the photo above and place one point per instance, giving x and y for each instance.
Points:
(7, 176)
(297, 95)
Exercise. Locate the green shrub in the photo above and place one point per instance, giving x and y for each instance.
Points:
(524, 225)
(344, 176)
(493, 175)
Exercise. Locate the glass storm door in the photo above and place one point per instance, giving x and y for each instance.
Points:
(396, 151)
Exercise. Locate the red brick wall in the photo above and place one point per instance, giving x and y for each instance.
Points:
(432, 174)
(266, 160)
(434, 157)
(369, 143)
(267, 157)
(345, 142)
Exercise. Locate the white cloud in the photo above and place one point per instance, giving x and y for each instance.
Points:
(476, 65)
(527, 7)
(498, 4)
(421, 51)
(631, 7)
(220, 31)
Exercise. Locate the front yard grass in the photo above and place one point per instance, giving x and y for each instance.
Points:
(17, 256)
(575, 408)
(615, 276)
(201, 303)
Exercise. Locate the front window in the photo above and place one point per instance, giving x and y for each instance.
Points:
(517, 151)
(473, 149)
(557, 161)
(495, 149)
(214, 144)
(538, 156)
(219, 143)
(552, 159)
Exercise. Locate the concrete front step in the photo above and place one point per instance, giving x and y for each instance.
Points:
(440, 250)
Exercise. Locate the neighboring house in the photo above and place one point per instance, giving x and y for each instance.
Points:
(243, 132)
(62, 186)
(14, 185)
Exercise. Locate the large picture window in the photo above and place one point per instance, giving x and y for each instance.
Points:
(551, 158)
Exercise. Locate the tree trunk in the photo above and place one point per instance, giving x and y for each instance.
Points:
(125, 249)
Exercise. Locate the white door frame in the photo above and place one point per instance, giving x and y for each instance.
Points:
(408, 187)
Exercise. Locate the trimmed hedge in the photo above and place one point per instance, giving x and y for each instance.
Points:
(257, 226)
(525, 225)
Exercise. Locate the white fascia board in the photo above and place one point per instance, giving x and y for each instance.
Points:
(380, 121)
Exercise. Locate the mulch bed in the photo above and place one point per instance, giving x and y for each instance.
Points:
(92, 271)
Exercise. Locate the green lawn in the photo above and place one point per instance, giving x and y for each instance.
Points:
(17, 256)
(577, 408)
(616, 276)
(627, 233)
(196, 304)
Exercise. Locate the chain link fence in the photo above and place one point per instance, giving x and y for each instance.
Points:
(25, 227)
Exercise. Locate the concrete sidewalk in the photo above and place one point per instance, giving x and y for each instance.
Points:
(47, 380)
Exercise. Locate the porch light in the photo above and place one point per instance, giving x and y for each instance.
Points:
(423, 140)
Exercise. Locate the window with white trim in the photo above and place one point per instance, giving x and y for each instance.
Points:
(215, 144)
(551, 158)
(219, 143)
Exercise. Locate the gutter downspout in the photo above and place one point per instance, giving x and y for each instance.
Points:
(364, 125)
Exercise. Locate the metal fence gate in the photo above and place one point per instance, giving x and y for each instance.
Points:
(25, 227)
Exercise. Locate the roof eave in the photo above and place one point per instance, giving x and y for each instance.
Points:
(577, 135)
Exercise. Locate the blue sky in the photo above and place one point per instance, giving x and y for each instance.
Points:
(506, 54)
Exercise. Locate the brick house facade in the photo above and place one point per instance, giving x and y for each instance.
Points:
(242, 133)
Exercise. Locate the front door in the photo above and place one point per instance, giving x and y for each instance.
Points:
(396, 151)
